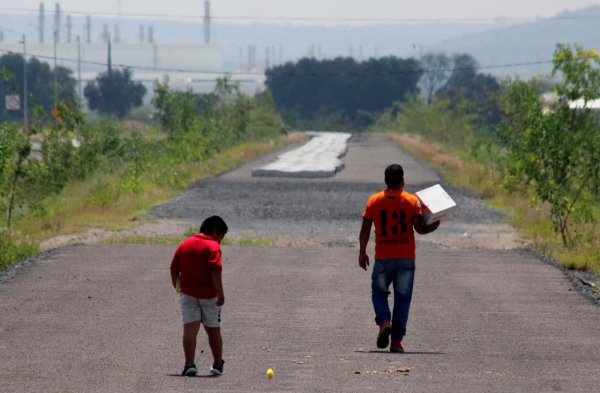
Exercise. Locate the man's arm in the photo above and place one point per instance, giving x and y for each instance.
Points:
(421, 227)
(215, 276)
(363, 238)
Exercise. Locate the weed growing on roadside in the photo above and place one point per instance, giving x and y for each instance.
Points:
(94, 175)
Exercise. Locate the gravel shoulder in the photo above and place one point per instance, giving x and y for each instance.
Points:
(487, 316)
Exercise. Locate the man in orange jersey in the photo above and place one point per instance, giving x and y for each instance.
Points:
(395, 213)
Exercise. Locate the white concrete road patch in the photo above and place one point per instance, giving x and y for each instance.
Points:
(319, 157)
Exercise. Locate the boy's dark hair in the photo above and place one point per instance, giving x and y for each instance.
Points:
(213, 223)
(394, 175)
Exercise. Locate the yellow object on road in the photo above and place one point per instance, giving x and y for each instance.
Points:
(270, 373)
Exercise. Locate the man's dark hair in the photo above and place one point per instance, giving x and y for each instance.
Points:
(394, 175)
(213, 223)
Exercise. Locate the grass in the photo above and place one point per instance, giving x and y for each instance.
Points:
(101, 203)
(11, 251)
(140, 239)
(256, 241)
(245, 241)
(532, 221)
(453, 164)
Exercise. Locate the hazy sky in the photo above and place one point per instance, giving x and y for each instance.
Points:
(343, 9)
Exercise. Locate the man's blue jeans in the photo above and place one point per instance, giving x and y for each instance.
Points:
(401, 273)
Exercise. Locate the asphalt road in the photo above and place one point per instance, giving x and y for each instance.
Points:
(103, 318)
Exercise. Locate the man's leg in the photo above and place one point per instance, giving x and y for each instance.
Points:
(190, 332)
(380, 293)
(403, 289)
(380, 283)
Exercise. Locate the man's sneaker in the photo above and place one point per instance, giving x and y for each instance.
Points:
(383, 338)
(217, 369)
(189, 370)
(396, 347)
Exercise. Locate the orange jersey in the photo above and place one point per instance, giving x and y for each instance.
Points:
(392, 213)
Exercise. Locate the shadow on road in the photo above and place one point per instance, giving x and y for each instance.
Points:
(197, 376)
(384, 352)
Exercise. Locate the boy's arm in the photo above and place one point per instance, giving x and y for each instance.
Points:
(215, 276)
(175, 269)
(174, 277)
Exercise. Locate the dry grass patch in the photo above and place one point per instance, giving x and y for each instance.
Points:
(102, 202)
(428, 151)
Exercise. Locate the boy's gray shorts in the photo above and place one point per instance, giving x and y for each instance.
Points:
(203, 310)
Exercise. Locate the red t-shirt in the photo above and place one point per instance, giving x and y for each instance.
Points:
(392, 212)
(194, 259)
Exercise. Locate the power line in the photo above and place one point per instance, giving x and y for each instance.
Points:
(10, 30)
(292, 74)
(315, 19)
(420, 70)
(141, 68)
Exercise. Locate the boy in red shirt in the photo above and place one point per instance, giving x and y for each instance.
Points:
(395, 213)
(196, 273)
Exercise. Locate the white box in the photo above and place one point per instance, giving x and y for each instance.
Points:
(436, 203)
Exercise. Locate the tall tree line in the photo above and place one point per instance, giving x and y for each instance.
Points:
(342, 87)
(353, 94)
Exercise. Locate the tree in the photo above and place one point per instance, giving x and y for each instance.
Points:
(557, 152)
(341, 88)
(217, 119)
(42, 91)
(114, 93)
(436, 71)
(175, 111)
(479, 90)
(15, 170)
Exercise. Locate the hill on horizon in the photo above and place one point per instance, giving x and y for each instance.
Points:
(528, 42)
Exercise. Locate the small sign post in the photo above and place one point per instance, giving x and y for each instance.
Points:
(13, 102)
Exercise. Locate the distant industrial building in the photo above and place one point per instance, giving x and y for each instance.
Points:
(187, 66)
(192, 66)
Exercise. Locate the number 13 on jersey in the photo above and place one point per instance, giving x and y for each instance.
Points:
(393, 223)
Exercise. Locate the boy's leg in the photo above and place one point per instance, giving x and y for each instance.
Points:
(211, 319)
(190, 332)
(216, 343)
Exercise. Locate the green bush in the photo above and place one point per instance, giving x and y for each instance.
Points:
(12, 252)
(438, 121)
(116, 164)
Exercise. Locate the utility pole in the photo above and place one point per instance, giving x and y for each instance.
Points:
(55, 70)
(57, 16)
(150, 34)
(109, 56)
(79, 68)
(69, 28)
(41, 23)
(154, 56)
(25, 92)
(56, 40)
(88, 29)
(206, 22)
